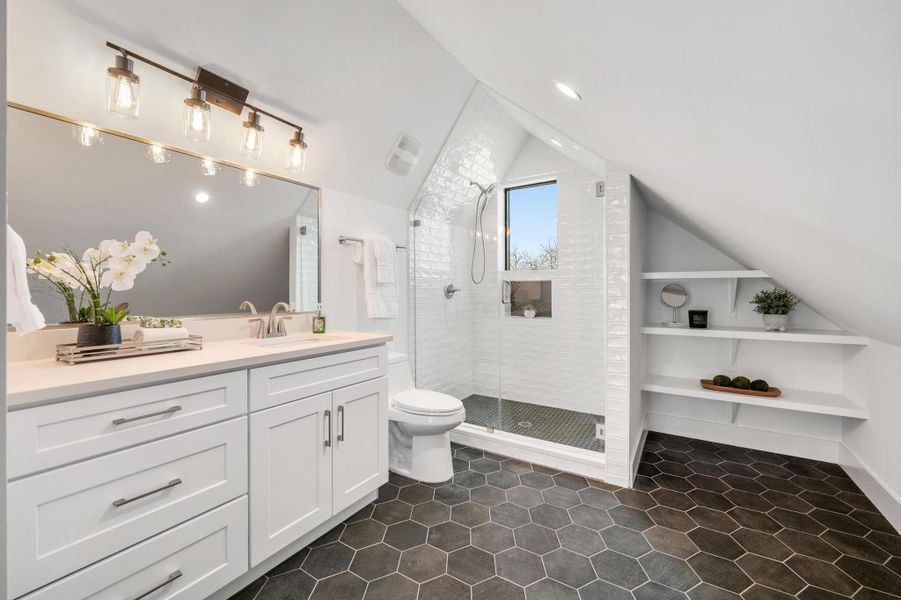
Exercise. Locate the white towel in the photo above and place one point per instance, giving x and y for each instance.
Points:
(381, 298)
(385, 255)
(158, 334)
(20, 311)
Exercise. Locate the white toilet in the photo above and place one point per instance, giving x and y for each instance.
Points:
(420, 422)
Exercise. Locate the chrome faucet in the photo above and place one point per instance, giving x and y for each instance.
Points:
(277, 325)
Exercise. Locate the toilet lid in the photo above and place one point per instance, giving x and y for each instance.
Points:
(426, 402)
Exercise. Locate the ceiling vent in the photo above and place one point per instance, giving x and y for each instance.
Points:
(404, 155)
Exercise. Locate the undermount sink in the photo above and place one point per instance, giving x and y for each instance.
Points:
(295, 339)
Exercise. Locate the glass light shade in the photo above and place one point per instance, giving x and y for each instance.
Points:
(123, 89)
(252, 138)
(296, 160)
(157, 154)
(86, 136)
(197, 122)
(208, 167)
(250, 178)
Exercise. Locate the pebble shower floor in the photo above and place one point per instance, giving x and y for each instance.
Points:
(705, 522)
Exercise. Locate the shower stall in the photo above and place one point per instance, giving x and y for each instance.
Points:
(507, 286)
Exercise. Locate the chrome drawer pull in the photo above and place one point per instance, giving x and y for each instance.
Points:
(169, 580)
(328, 428)
(163, 488)
(341, 423)
(168, 411)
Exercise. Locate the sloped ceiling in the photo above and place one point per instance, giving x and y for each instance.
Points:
(770, 128)
(355, 73)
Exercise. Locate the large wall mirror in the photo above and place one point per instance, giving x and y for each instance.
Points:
(225, 241)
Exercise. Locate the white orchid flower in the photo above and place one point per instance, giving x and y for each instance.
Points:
(89, 275)
(119, 279)
(144, 250)
(133, 263)
(113, 247)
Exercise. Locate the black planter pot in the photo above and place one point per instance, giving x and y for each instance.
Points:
(98, 335)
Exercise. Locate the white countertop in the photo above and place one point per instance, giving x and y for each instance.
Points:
(36, 382)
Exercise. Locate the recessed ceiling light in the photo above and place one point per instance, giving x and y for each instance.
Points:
(202, 197)
(555, 142)
(568, 91)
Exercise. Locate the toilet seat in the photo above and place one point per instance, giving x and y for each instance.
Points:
(426, 402)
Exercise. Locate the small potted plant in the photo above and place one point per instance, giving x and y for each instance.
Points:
(114, 265)
(774, 305)
(528, 311)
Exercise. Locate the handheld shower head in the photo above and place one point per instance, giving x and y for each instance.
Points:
(482, 189)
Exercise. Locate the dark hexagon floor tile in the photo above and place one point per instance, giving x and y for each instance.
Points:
(346, 586)
(761, 543)
(719, 572)
(716, 543)
(844, 484)
(536, 480)
(630, 517)
(375, 561)
(470, 565)
(561, 497)
(772, 470)
(796, 521)
(485, 465)
(770, 573)
(711, 484)
(644, 484)
(488, 495)
(707, 457)
(519, 566)
(678, 469)
(618, 569)
(749, 500)
(363, 513)
(400, 480)
(814, 485)
(497, 589)
(710, 500)
(672, 518)
(525, 496)
(635, 499)
(598, 498)
(672, 499)
(448, 536)
(858, 501)
(548, 589)
(423, 563)
(392, 587)
(327, 560)
(406, 534)
(854, 546)
(736, 455)
(759, 592)
(839, 522)
(870, 575)
(874, 521)
(706, 469)
(713, 519)
(868, 594)
(253, 588)
(752, 519)
(601, 590)
(392, 512)
(787, 501)
(568, 567)
(770, 458)
(387, 491)
(466, 453)
(516, 466)
(509, 515)
(416, 494)
(551, 517)
(889, 543)
(669, 571)
(536, 538)
(733, 468)
(330, 537)
(744, 484)
(546, 470)
(625, 541)
(459, 465)
(492, 537)
(647, 469)
(705, 591)
(808, 545)
(655, 591)
(292, 563)
(822, 574)
(669, 541)
(469, 514)
(825, 501)
(580, 539)
(503, 479)
(363, 533)
(295, 585)
(431, 513)
(570, 481)
(444, 588)
(590, 517)
(452, 494)
(778, 484)
(672, 482)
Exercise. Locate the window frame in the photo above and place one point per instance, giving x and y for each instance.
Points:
(507, 190)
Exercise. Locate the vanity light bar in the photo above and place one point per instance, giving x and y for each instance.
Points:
(122, 100)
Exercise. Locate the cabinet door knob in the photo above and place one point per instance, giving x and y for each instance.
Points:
(328, 428)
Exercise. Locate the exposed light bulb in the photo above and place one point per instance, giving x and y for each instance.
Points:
(296, 160)
(250, 178)
(197, 116)
(122, 88)
(568, 91)
(86, 135)
(555, 142)
(157, 154)
(252, 139)
(202, 197)
(208, 167)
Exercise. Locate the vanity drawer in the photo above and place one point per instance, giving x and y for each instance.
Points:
(196, 559)
(76, 515)
(277, 384)
(44, 437)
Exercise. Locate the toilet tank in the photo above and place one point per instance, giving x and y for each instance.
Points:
(400, 377)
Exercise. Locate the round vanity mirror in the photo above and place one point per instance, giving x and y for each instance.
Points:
(674, 296)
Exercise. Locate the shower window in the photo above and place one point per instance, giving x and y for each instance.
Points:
(531, 226)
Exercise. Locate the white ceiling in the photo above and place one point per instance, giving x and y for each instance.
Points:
(355, 73)
(771, 128)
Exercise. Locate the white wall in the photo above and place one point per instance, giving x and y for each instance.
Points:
(639, 228)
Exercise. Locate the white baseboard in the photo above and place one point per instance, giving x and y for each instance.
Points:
(572, 460)
(746, 437)
(886, 500)
(637, 448)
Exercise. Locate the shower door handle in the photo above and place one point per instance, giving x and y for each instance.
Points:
(505, 292)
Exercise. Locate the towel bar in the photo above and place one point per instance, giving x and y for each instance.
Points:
(344, 239)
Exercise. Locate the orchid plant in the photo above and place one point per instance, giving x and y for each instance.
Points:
(112, 266)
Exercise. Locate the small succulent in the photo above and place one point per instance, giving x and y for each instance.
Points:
(774, 302)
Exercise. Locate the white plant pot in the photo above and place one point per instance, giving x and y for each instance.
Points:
(529, 314)
(775, 322)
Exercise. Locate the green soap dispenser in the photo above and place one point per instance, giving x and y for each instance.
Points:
(319, 320)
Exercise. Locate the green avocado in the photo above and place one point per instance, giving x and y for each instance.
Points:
(741, 383)
(760, 385)
(722, 381)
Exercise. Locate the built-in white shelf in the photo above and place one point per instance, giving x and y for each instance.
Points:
(743, 274)
(811, 336)
(799, 400)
